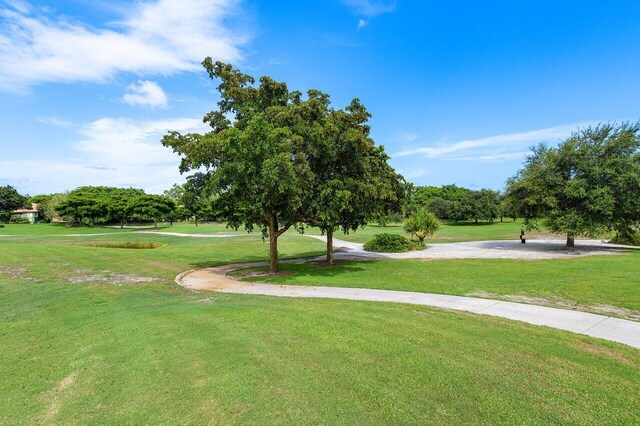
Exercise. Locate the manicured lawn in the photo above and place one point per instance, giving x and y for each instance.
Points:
(203, 228)
(53, 229)
(448, 233)
(103, 335)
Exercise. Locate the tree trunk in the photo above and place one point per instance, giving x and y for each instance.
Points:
(571, 241)
(476, 221)
(121, 224)
(273, 244)
(330, 246)
(196, 218)
(155, 224)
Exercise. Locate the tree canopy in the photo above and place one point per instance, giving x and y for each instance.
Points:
(10, 200)
(588, 184)
(103, 204)
(274, 160)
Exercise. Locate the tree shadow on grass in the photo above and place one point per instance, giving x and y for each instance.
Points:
(304, 256)
(316, 270)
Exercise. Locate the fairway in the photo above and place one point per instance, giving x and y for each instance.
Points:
(449, 232)
(103, 335)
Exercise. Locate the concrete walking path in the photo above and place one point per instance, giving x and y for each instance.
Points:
(604, 327)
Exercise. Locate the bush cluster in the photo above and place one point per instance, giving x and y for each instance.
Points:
(18, 219)
(629, 240)
(391, 243)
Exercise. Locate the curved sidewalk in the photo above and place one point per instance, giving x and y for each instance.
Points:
(604, 327)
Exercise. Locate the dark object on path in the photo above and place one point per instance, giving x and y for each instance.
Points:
(523, 240)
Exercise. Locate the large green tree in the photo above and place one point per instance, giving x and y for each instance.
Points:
(588, 184)
(151, 207)
(254, 165)
(352, 180)
(10, 200)
(85, 203)
(119, 205)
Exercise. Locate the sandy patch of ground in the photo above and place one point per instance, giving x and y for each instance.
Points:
(15, 272)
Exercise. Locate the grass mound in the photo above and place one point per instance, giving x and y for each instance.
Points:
(136, 245)
(390, 243)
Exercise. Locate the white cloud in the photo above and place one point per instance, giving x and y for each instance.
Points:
(505, 156)
(111, 151)
(158, 37)
(145, 93)
(413, 173)
(371, 8)
(493, 148)
(404, 136)
(362, 23)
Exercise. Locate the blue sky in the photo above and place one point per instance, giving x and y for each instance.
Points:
(458, 90)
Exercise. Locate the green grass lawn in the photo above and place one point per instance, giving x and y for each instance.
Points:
(103, 335)
(54, 229)
(450, 232)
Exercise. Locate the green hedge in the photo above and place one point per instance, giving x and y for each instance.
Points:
(391, 243)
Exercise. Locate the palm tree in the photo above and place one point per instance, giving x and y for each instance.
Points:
(422, 224)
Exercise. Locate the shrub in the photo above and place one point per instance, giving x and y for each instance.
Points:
(1, 225)
(390, 243)
(422, 224)
(629, 240)
(18, 219)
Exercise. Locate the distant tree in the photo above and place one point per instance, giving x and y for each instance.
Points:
(151, 207)
(10, 200)
(588, 184)
(85, 203)
(508, 207)
(480, 205)
(119, 204)
(421, 196)
(42, 201)
(95, 204)
(195, 199)
(442, 208)
(175, 193)
(422, 224)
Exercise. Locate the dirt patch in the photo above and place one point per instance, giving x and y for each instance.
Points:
(604, 351)
(16, 272)
(110, 278)
(557, 302)
(133, 245)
